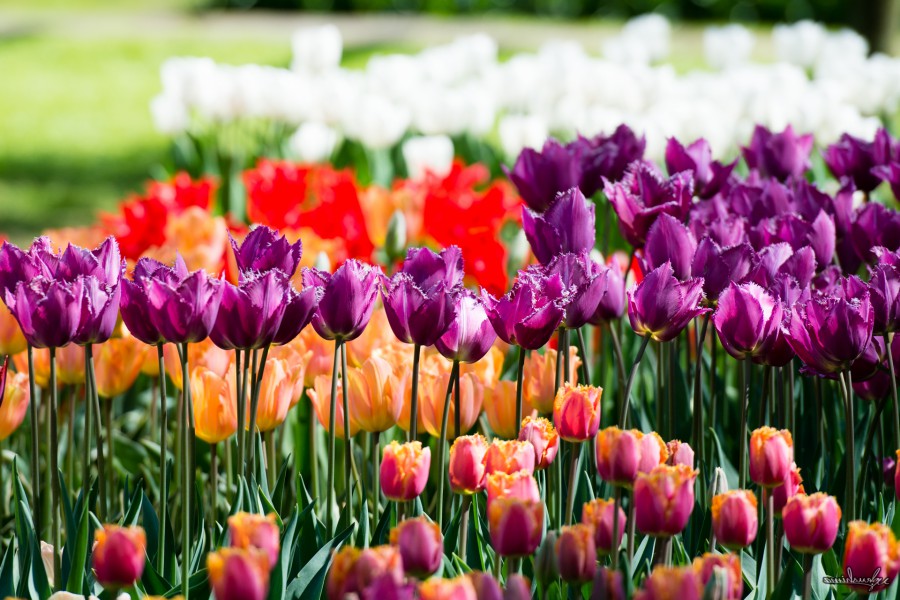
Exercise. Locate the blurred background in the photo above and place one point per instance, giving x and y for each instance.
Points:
(76, 132)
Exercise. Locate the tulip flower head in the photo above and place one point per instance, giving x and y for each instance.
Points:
(467, 470)
(516, 526)
(779, 155)
(576, 553)
(726, 566)
(520, 484)
(608, 584)
(612, 304)
(470, 334)
(264, 250)
(576, 412)
(215, 405)
(250, 531)
(600, 514)
(238, 574)
(530, 312)
(661, 306)
(618, 455)
(250, 313)
(500, 408)
(376, 395)
(664, 583)
(710, 176)
(747, 319)
(509, 456)
(566, 226)
(734, 518)
(404, 470)
(586, 281)
(14, 398)
(811, 522)
(792, 485)
(118, 556)
(669, 241)
(458, 588)
(664, 499)
(771, 456)
(421, 545)
(543, 437)
(680, 453)
(11, 339)
(858, 160)
(118, 362)
(354, 570)
(347, 299)
(540, 378)
(871, 550)
(540, 175)
(720, 266)
(654, 452)
(606, 157)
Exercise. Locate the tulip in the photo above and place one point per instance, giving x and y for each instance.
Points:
(566, 226)
(576, 553)
(183, 306)
(48, 311)
(376, 395)
(320, 396)
(264, 250)
(771, 456)
(298, 312)
(15, 394)
(710, 566)
(520, 484)
(661, 306)
(884, 293)
(135, 302)
(780, 259)
(792, 485)
(871, 550)
(747, 319)
(664, 499)
(11, 339)
(215, 405)
(354, 570)
(404, 470)
(860, 161)
(618, 455)
(100, 309)
(470, 335)
(601, 515)
(530, 312)
(654, 452)
(250, 313)
(671, 582)
(467, 470)
(721, 266)
(421, 545)
(643, 194)
(680, 453)
(606, 157)
(612, 304)
(118, 363)
(586, 282)
(118, 556)
(275, 395)
(346, 301)
(779, 155)
(811, 522)
(576, 412)
(734, 519)
(608, 585)
(509, 456)
(500, 408)
(540, 378)
(540, 176)
(458, 588)
(669, 241)
(486, 587)
(543, 437)
(710, 177)
(238, 574)
(516, 526)
(434, 396)
(260, 532)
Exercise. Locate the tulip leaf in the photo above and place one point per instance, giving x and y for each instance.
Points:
(362, 534)
(280, 484)
(238, 504)
(75, 581)
(134, 508)
(311, 580)
(731, 474)
(643, 552)
(6, 573)
(819, 588)
(268, 506)
(198, 541)
(33, 578)
(198, 586)
(154, 583)
(150, 523)
(482, 537)
(451, 531)
(70, 527)
(279, 577)
(380, 535)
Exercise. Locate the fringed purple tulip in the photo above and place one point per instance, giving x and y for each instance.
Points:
(530, 312)
(586, 284)
(17, 266)
(251, 312)
(347, 299)
(747, 320)
(48, 311)
(612, 304)
(607, 157)
(875, 226)
(830, 332)
(644, 194)
(419, 300)
(470, 335)
(884, 293)
(860, 161)
(780, 155)
(540, 176)
(669, 241)
(567, 225)
(710, 177)
(183, 306)
(99, 311)
(891, 174)
(661, 306)
(819, 235)
(301, 306)
(720, 266)
(135, 303)
(779, 259)
(265, 250)
(870, 362)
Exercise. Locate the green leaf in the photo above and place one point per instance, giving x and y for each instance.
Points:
(311, 580)
(70, 528)
(380, 535)
(451, 531)
(154, 583)
(280, 483)
(6, 573)
(198, 586)
(33, 579)
(279, 576)
(75, 581)
(362, 535)
(134, 508)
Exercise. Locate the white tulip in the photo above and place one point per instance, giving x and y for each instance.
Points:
(313, 142)
(727, 46)
(521, 131)
(428, 154)
(317, 49)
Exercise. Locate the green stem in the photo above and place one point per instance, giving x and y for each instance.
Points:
(698, 391)
(35, 437)
(163, 459)
(770, 544)
(442, 444)
(617, 495)
(186, 475)
(631, 529)
(807, 576)
(241, 406)
(585, 364)
(623, 419)
(349, 471)
(850, 451)
(376, 468)
(110, 473)
(88, 424)
(567, 358)
(254, 406)
(70, 451)
(101, 463)
(54, 473)
(214, 485)
(888, 338)
(271, 459)
(414, 396)
(559, 362)
(464, 527)
(620, 365)
(744, 390)
(520, 378)
(329, 509)
(573, 481)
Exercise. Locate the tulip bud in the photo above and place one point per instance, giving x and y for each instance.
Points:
(600, 514)
(404, 470)
(618, 455)
(793, 485)
(118, 556)
(576, 412)
(671, 582)
(719, 483)
(486, 587)
(354, 570)
(871, 550)
(542, 435)
(576, 553)
(680, 453)
(664, 499)
(654, 452)
(545, 560)
(520, 484)
(811, 522)
(215, 405)
(721, 574)
(500, 408)
(734, 518)
(517, 588)
(509, 456)
(11, 339)
(516, 526)
(395, 239)
(248, 531)
(117, 363)
(14, 398)
(467, 464)
(608, 585)
(421, 545)
(459, 588)
(238, 574)
(771, 456)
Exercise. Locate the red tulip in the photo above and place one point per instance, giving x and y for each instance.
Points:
(467, 464)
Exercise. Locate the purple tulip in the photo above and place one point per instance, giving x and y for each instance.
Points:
(99, 311)
(747, 320)
(884, 292)
(135, 304)
(585, 281)
(887, 257)
(530, 312)
(251, 312)
(419, 300)
(779, 155)
(860, 161)
(818, 235)
(301, 306)
(470, 335)
(566, 226)
(264, 250)
(710, 177)
(891, 174)
(870, 362)
(607, 157)
(183, 306)
(726, 231)
(756, 199)
(661, 306)
(540, 176)
(347, 299)
(49, 311)
(644, 194)
(875, 225)
(873, 389)
(720, 266)
(16, 265)
(780, 258)
(828, 333)
(612, 304)
(670, 241)
(104, 263)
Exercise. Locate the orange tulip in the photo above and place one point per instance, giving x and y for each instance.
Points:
(202, 354)
(542, 435)
(252, 531)
(432, 395)
(41, 366)
(520, 484)
(11, 339)
(540, 377)
(275, 395)
(376, 396)
(69, 365)
(500, 408)
(467, 464)
(215, 405)
(297, 358)
(118, 555)
(576, 412)
(117, 363)
(202, 240)
(871, 550)
(509, 456)
(771, 456)
(458, 588)
(15, 403)
(601, 514)
(730, 565)
(320, 395)
(238, 574)
(322, 358)
(150, 364)
(377, 334)
(404, 470)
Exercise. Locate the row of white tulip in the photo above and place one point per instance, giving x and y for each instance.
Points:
(821, 81)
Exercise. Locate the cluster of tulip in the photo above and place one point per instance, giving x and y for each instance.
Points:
(769, 258)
